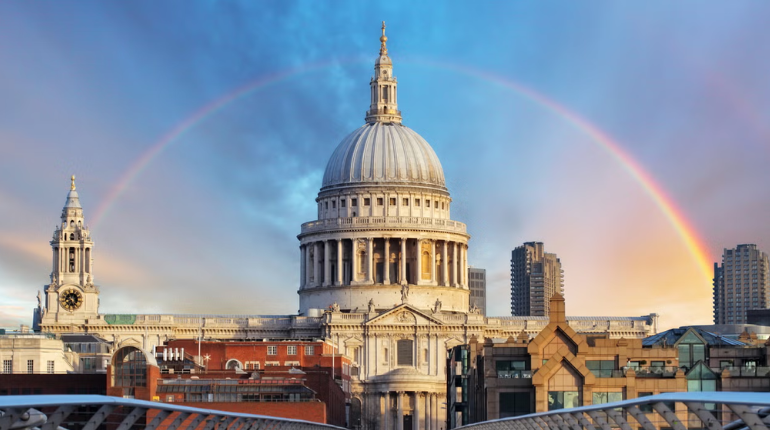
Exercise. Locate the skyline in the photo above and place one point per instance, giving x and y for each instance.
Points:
(196, 147)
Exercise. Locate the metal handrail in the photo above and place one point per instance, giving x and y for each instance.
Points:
(750, 408)
(22, 412)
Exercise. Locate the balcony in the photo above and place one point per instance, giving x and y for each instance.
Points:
(352, 223)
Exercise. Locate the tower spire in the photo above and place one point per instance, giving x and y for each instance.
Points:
(383, 41)
(384, 86)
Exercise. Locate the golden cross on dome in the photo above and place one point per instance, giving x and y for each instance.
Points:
(383, 39)
(72, 185)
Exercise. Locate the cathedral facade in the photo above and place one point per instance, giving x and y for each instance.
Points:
(383, 276)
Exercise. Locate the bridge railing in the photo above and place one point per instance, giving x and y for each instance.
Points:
(670, 411)
(87, 412)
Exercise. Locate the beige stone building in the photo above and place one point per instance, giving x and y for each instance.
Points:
(383, 276)
(536, 276)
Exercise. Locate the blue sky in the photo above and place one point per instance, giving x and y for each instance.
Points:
(210, 224)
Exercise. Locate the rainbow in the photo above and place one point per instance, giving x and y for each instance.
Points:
(197, 116)
(694, 244)
(687, 232)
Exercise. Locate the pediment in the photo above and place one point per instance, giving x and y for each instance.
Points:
(404, 315)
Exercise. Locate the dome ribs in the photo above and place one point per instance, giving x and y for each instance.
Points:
(381, 153)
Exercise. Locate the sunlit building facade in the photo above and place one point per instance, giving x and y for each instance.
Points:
(741, 283)
(536, 276)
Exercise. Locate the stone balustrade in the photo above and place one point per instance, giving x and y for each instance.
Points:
(384, 222)
(219, 321)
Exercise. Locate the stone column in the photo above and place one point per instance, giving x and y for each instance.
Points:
(417, 411)
(402, 277)
(400, 411)
(308, 265)
(455, 281)
(327, 263)
(386, 264)
(419, 262)
(433, 275)
(338, 281)
(370, 258)
(386, 413)
(316, 264)
(434, 411)
(445, 265)
(354, 260)
(302, 268)
(465, 265)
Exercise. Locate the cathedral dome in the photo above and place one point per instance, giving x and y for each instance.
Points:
(384, 153)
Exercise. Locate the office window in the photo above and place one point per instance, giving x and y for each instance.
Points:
(272, 350)
(50, 366)
(602, 368)
(7, 366)
(309, 350)
(30, 366)
(291, 350)
(514, 404)
(563, 400)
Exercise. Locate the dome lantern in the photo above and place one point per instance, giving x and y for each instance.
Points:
(384, 105)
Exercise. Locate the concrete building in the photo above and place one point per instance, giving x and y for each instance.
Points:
(477, 282)
(383, 278)
(535, 277)
(741, 283)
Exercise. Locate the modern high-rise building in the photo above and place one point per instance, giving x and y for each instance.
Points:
(477, 281)
(741, 283)
(535, 276)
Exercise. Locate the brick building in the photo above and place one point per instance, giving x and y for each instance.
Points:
(290, 379)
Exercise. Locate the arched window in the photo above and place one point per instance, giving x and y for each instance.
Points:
(88, 260)
(72, 223)
(129, 368)
(426, 265)
(72, 236)
(233, 364)
(80, 224)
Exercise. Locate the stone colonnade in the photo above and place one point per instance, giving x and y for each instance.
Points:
(72, 259)
(398, 408)
(376, 260)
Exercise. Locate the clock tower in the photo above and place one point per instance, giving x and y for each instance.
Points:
(71, 297)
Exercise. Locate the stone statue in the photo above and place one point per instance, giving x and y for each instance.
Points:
(39, 299)
(335, 307)
(437, 306)
(475, 309)
(404, 294)
(88, 280)
(371, 305)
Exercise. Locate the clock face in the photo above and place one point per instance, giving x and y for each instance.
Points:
(71, 299)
